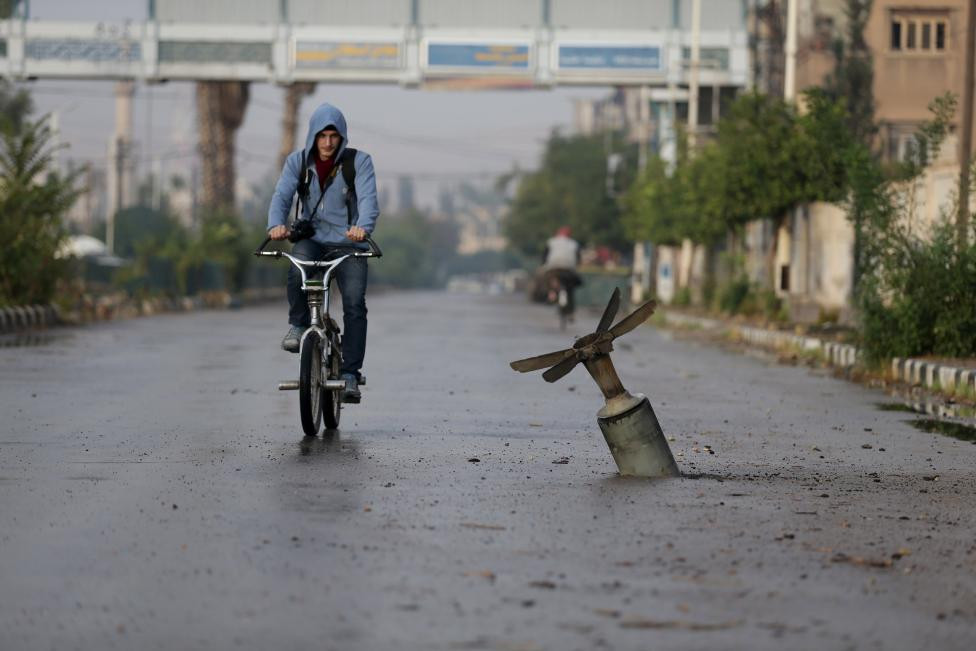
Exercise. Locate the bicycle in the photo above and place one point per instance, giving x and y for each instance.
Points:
(320, 387)
(561, 283)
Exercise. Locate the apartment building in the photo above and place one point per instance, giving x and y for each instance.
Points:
(919, 54)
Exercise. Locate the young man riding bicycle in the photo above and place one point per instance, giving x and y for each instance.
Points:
(337, 199)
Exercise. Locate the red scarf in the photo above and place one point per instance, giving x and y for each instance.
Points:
(323, 168)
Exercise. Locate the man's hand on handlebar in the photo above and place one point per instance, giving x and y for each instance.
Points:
(356, 234)
(278, 233)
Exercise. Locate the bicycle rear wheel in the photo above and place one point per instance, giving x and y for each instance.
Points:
(332, 400)
(310, 384)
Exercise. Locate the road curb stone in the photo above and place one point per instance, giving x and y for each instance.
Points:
(25, 317)
(952, 379)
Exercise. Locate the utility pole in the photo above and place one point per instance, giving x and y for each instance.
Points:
(641, 279)
(119, 169)
(966, 144)
(789, 77)
(693, 80)
(644, 115)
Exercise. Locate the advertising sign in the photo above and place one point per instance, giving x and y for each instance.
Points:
(609, 57)
(214, 52)
(76, 49)
(326, 54)
(478, 55)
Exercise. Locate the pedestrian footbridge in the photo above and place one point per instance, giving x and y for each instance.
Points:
(462, 43)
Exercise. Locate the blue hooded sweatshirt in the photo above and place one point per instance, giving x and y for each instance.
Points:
(330, 218)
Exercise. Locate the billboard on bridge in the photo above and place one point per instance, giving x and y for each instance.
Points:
(610, 57)
(351, 54)
(482, 56)
(78, 49)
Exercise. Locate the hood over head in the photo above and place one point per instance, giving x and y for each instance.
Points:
(326, 115)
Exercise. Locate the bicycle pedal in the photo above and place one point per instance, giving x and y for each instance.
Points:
(351, 400)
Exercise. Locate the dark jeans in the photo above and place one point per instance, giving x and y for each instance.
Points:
(351, 277)
(568, 279)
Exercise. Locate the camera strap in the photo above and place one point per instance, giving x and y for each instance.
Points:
(305, 182)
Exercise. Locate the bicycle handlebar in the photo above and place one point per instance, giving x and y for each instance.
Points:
(374, 249)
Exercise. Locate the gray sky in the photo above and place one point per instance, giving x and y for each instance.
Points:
(440, 135)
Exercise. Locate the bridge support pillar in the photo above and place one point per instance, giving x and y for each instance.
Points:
(120, 167)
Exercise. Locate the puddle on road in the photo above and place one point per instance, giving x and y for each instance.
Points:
(894, 406)
(913, 404)
(331, 442)
(946, 428)
(941, 411)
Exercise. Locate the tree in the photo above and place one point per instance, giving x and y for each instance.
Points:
(140, 224)
(651, 206)
(33, 199)
(416, 251)
(7, 8)
(851, 81)
(568, 189)
(15, 107)
(221, 106)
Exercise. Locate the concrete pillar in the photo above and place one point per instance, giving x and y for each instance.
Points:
(120, 159)
(695, 64)
(665, 274)
(641, 276)
(789, 79)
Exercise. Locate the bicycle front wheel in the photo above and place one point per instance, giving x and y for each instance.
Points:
(310, 384)
(332, 400)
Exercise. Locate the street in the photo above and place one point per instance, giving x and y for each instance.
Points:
(156, 493)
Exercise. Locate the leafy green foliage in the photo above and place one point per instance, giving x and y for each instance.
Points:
(651, 206)
(765, 160)
(763, 177)
(416, 251)
(852, 79)
(917, 289)
(570, 188)
(33, 199)
(140, 225)
(7, 8)
(922, 300)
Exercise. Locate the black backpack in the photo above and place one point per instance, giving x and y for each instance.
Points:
(347, 164)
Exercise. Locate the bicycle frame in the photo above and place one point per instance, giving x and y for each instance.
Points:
(317, 291)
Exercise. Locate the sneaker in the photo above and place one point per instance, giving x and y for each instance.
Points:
(293, 339)
(351, 393)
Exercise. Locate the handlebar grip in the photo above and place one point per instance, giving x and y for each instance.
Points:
(374, 247)
(258, 250)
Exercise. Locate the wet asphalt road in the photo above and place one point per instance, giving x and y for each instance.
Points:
(156, 493)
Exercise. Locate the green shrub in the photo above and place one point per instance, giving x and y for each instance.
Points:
(682, 297)
(33, 199)
(922, 299)
(733, 294)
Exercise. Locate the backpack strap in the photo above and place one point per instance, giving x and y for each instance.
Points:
(304, 180)
(348, 165)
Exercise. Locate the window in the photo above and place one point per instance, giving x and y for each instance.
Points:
(900, 141)
(919, 32)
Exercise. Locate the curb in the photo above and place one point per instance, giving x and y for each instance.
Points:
(23, 317)
(916, 372)
(33, 317)
(836, 354)
(951, 379)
